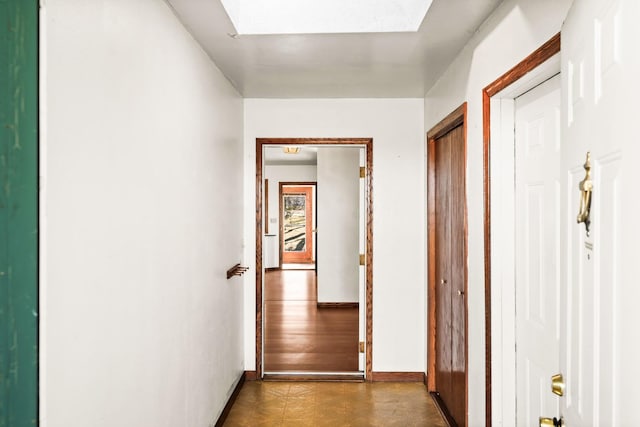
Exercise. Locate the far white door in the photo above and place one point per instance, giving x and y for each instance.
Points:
(537, 272)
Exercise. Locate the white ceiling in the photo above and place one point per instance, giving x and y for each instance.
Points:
(361, 65)
(308, 155)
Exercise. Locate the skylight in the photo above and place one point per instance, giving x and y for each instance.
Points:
(325, 16)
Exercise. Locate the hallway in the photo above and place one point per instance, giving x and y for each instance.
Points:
(333, 404)
(133, 169)
(299, 336)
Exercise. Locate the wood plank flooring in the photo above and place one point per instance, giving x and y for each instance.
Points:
(299, 337)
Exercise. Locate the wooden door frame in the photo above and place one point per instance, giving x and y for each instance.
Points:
(515, 74)
(454, 119)
(367, 144)
(282, 184)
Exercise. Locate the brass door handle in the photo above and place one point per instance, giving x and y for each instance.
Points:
(550, 422)
(461, 293)
(586, 187)
(443, 281)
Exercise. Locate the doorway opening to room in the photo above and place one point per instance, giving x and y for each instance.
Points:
(522, 194)
(297, 217)
(313, 298)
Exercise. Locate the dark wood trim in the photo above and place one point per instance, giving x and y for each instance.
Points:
(486, 102)
(446, 416)
(227, 408)
(272, 269)
(369, 262)
(398, 377)
(259, 237)
(538, 57)
(453, 120)
(250, 376)
(313, 141)
(266, 205)
(456, 118)
(431, 273)
(368, 145)
(337, 305)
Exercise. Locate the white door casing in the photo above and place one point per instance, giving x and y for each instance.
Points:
(537, 248)
(600, 350)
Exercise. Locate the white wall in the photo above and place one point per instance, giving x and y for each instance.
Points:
(338, 224)
(396, 126)
(141, 216)
(513, 31)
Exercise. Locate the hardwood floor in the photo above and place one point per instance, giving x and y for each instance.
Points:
(299, 337)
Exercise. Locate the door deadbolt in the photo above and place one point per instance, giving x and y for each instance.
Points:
(557, 385)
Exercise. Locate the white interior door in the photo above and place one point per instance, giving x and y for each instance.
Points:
(537, 272)
(599, 335)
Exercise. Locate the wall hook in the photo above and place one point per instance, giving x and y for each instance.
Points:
(236, 270)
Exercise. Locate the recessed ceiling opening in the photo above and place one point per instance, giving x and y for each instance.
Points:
(251, 17)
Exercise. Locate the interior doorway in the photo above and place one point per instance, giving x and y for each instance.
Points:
(505, 401)
(363, 298)
(297, 218)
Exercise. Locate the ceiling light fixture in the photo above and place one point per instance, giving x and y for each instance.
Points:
(291, 150)
(325, 16)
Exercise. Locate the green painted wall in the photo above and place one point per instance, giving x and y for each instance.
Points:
(18, 213)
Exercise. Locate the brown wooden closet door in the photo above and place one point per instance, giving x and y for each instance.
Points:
(442, 252)
(450, 273)
(458, 273)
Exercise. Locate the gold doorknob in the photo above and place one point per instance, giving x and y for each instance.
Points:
(557, 384)
(550, 422)
(443, 281)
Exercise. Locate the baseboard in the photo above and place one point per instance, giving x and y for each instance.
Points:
(400, 377)
(227, 408)
(272, 269)
(443, 410)
(338, 305)
(250, 376)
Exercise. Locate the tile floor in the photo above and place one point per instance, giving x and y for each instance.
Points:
(263, 403)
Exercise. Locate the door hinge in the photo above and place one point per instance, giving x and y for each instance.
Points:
(363, 172)
(362, 259)
(361, 347)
